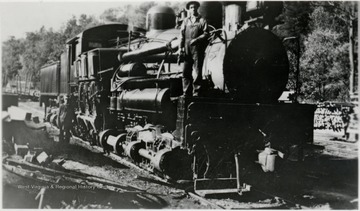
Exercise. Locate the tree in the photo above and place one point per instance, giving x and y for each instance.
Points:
(294, 22)
(41, 47)
(133, 15)
(76, 25)
(139, 18)
(177, 6)
(325, 61)
(295, 19)
(33, 57)
(11, 59)
(26, 57)
(53, 44)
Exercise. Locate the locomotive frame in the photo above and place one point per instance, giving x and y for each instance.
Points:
(121, 90)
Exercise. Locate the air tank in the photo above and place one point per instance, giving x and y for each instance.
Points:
(150, 100)
(132, 69)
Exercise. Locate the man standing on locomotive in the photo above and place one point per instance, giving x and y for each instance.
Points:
(193, 37)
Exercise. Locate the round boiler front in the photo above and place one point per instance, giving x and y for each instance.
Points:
(256, 66)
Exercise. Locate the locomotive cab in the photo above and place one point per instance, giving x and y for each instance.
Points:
(104, 38)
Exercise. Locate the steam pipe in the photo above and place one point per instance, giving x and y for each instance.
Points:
(133, 55)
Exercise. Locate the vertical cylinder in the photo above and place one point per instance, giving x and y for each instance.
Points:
(113, 102)
(270, 162)
(93, 63)
(84, 68)
(183, 14)
(118, 102)
(212, 12)
(232, 16)
(238, 185)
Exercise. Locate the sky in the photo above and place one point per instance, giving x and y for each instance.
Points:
(19, 17)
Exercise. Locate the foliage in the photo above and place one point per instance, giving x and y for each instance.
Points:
(11, 59)
(40, 47)
(325, 60)
(324, 69)
(295, 19)
(74, 26)
(294, 24)
(133, 15)
(323, 47)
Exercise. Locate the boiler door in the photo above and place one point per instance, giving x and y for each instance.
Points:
(256, 66)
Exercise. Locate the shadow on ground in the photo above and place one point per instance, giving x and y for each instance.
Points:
(20, 198)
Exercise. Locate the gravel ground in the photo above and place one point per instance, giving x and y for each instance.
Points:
(326, 179)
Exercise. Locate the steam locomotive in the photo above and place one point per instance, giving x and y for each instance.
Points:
(120, 87)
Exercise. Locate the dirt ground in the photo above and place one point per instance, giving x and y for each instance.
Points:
(326, 179)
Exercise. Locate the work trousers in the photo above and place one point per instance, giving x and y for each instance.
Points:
(192, 74)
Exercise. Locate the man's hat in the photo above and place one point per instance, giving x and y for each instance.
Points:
(192, 2)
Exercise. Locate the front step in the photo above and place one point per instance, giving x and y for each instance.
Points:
(206, 187)
(210, 186)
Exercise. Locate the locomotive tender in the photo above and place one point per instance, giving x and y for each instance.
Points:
(124, 94)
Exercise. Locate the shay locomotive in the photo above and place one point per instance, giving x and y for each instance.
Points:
(124, 93)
